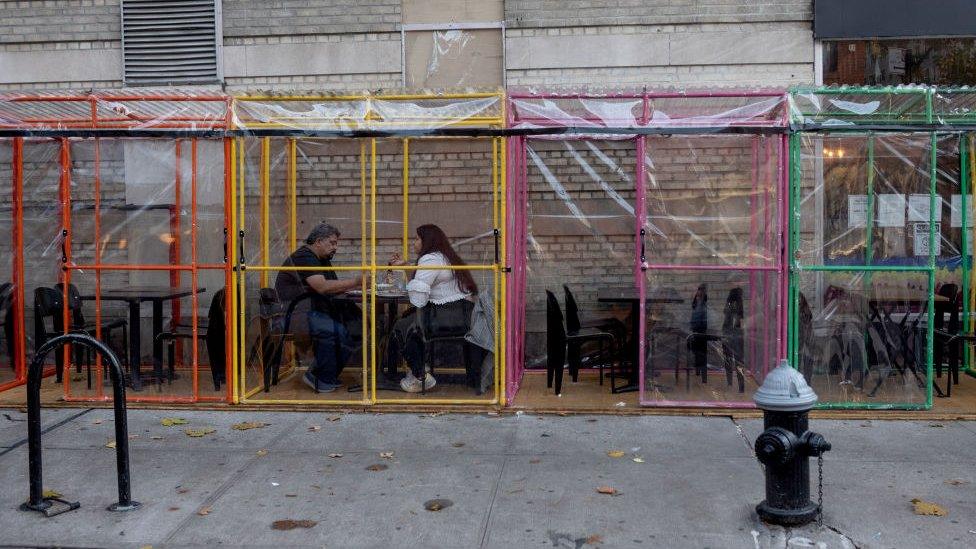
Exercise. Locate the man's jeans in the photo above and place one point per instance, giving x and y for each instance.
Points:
(333, 346)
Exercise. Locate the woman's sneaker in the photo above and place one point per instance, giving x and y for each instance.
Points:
(429, 382)
(410, 384)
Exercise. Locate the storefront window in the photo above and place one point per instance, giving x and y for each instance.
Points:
(936, 61)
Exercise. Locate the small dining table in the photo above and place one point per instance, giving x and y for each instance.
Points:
(135, 296)
(389, 300)
(630, 296)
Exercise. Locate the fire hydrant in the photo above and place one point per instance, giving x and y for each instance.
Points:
(786, 446)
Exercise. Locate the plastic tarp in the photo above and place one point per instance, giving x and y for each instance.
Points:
(708, 205)
(147, 108)
(367, 112)
(879, 242)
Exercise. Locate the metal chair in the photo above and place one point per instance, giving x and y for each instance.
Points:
(558, 340)
(432, 339)
(598, 327)
(49, 302)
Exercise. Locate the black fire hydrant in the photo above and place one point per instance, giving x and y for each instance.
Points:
(785, 447)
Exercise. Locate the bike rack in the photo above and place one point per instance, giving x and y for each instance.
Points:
(37, 501)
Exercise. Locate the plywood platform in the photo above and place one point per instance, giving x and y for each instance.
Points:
(585, 396)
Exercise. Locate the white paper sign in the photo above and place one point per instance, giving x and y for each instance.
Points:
(857, 210)
(919, 207)
(921, 231)
(955, 216)
(891, 210)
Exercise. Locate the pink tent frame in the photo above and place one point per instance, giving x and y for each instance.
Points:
(772, 218)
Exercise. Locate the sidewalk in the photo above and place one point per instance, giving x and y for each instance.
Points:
(511, 480)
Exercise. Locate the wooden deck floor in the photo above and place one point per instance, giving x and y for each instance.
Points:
(585, 396)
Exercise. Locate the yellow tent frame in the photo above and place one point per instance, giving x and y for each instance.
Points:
(368, 261)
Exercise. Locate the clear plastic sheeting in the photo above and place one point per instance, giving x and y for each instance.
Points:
(375, 193)
(713, 252)
(879, 246)
(11, 370)
(530, 109)
(700, 214)
(862, 340)
(579, 241)
(367, 112)
(144, 109)
(453, 58)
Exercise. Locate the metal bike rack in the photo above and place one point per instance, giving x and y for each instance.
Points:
(37, 501)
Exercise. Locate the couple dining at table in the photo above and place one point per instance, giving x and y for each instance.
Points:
(334, 324)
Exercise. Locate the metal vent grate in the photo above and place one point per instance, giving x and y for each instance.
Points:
(167, 42)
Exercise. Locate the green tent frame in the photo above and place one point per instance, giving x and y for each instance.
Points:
(902, 109)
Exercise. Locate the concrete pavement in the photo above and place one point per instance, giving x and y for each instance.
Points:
(510, 481)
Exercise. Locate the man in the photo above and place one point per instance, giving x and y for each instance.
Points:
(327, 317)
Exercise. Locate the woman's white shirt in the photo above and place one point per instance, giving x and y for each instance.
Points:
(437, 286)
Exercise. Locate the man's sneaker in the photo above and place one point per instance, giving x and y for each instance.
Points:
(410, 384)
(318, 386)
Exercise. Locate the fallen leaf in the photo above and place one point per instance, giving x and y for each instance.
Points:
(335, 455)
(458, 445)
(197, 433)
(562, 414)
(936, 425)
(155, 437)
(51, 494)
(261, 452)
(289, 524)
(595, 539)
(616, 453)
(607, 490)
(377, 467)
(437, 504)
(928, 508)
(291, 495)
(97, 422)
(110, 444)
(638, 460)
(535, 461)
(245, 425)
(386, 455)
(315, 428)
(956, 482)
(204, 511)
(182, 491)
(170, 421)
(334, 418)
(77, 377)
(173, 509)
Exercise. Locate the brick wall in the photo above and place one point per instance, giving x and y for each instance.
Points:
(701, 193)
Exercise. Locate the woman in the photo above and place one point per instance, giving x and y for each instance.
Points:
(443, 299)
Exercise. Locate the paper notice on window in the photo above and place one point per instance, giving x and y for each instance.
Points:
(955, 217)
(921, 232)
(891, 210)
(919, 207)
(857, 210)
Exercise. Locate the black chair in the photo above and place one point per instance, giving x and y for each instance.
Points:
(216, 350)
(733, 338)
(432, 338)
(598, 328)
(557, 342)
(216, 338)
(49, 302)
(274, 323)
(947, 344)
(7, 319)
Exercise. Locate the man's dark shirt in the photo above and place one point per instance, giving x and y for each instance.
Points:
(292, 284)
